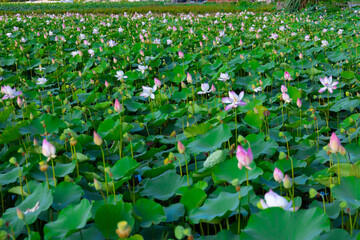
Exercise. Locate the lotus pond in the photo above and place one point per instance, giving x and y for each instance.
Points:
(216, 126)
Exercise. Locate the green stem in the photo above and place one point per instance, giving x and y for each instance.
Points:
(338, 160)
(106, 183)
(239, 218)
(53, 170)
(187, 171)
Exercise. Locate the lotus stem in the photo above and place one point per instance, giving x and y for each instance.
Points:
(106, 184)
(187, 171)
(21, 187)
(338, 160)
(239, 217)
(53, 170)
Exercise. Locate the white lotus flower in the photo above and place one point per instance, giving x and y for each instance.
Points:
(204, 88)
(272, 199)
(223, 77)
(120, 75)
(142, 68)
(41, 81)
(148, 92)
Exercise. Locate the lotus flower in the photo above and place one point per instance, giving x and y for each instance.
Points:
(278, 175)
(204, 88)
(324, 43)
(328, 84)
(299, 103)
(117, 106)
(181, 147)
(234, 100)
(41, 81)
(284, 89)
(157, 82)
(148, 92)
(244, 157)
(181, 55)
(334, 143)
(9, 92)
(272, 199)
(286, 97)
(48, 150)
(97, 139)
(223, 77)
(120, 75)
(287, 76)
(142, 69)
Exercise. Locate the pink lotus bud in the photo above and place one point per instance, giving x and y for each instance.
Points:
(213, 89)
(48, 150)
(241, 42)
(157, 82)
(56, 38)
(21, 48)
(106, 84)
(19, 101)
(181, 147)
(298, 102)
(53, 61)
(334, 143)
(35, 142)
(114, 60)
(244, 157)
(283, 89)
(300, 56)
(201, 44)
(20, 214)
(101, 49)
(97, 139)
(189, 78)
(278, 175)
(63, 26)
(80, 53)
(181, 55)
(287, 76)
(117, 106)
(142, 53)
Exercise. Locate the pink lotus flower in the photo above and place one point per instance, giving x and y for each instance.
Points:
(244, 157)
(287, 76)
(283, 89)
(334, 143)
(286, 97)
(328, 84)
(181, 55)
(9, 92)
(97, 139)
(19, 101)
(234, 100)
(157, 82)
(48, 150)
(278, 175)
(181, 147)
(117, 106)
(299, 103)
(188, 78)
(272, 199)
